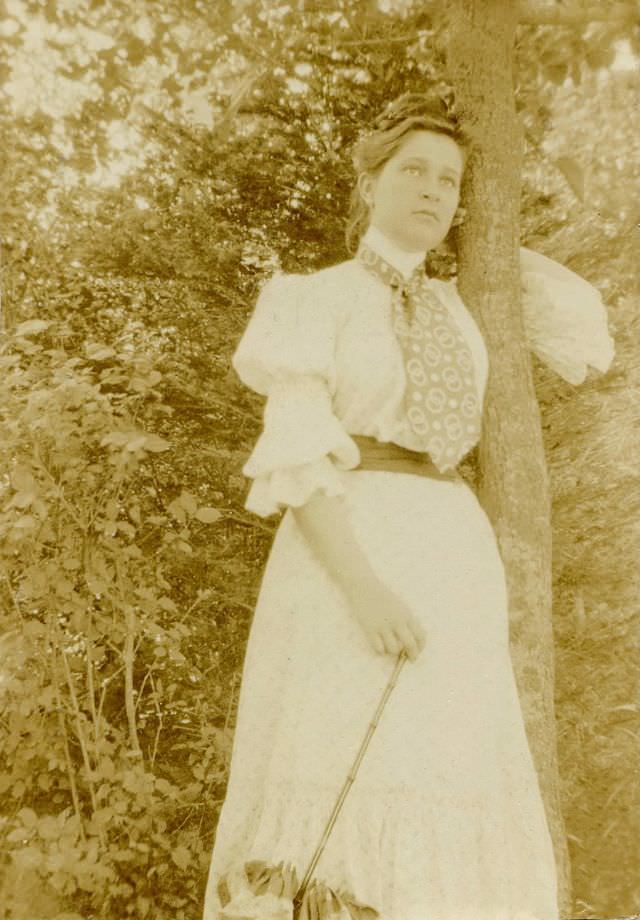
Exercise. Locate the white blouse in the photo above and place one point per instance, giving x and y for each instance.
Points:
(321, 347)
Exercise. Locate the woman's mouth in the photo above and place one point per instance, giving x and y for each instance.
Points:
(427, 214)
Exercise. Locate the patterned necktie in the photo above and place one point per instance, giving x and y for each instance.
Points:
(441, 397)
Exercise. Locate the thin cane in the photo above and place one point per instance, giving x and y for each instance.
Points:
(297, 901)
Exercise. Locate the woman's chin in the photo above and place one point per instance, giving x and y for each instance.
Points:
(422, 242)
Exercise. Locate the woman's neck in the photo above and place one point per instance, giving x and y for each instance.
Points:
(404, 261)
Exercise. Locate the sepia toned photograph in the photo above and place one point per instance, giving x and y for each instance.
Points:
(319, 460)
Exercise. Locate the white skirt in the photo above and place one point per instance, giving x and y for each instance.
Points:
(444, 820)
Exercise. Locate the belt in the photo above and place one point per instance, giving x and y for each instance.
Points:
(385, 455)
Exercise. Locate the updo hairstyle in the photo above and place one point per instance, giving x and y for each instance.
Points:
(409, 112)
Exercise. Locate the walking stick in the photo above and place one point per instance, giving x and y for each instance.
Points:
(299, 897)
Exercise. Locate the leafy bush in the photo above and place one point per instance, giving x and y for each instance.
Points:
(111, 751)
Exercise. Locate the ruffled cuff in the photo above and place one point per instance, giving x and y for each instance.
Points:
(565, 318)
(293, 487)
(302, 448)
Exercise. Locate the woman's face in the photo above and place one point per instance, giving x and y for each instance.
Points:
(414, 197)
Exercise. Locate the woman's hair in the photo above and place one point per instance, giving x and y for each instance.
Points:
(409, 112)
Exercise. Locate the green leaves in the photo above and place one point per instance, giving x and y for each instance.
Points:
(25, 486)
(181, 857)
(104, 650)
(155, 444)
(185, 506)
(207, 515)
(97, 351)
(31, 327)
(135, 442)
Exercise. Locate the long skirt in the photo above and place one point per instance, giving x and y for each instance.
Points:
(445, 819)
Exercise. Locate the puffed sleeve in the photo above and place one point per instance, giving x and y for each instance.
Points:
(287, 353)
(565, 318)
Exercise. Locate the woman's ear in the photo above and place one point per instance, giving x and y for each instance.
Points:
(366, 184)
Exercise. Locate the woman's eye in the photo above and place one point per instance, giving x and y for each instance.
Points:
(449, 180)
(412, 170)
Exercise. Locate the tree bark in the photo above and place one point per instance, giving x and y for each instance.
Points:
(513, 485)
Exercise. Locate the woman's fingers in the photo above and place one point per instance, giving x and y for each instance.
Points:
(399, 629)
(391, 642)
(414, 636)
(408, 641)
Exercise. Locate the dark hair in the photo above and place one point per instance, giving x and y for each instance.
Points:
(409, 112)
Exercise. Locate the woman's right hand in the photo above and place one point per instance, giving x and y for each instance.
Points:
(388, 622)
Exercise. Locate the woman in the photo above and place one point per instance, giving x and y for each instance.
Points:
(375, 376)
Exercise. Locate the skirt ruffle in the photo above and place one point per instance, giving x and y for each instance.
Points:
(372, 853)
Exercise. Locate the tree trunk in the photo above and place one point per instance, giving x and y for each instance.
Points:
(513, 486)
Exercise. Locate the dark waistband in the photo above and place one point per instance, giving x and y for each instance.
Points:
(385, 455)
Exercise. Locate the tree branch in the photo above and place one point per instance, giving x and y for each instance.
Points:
(541, 12)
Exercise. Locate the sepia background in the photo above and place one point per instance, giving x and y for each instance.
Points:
(159, 159)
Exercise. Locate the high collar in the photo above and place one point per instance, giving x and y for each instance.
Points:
(405, 262)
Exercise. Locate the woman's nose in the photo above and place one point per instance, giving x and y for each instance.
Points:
(430, 190)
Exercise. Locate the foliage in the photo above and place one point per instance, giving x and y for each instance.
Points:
(135, 241)
(590, 433)
(117, 714)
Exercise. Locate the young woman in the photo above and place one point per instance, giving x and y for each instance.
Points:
(375, 375)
